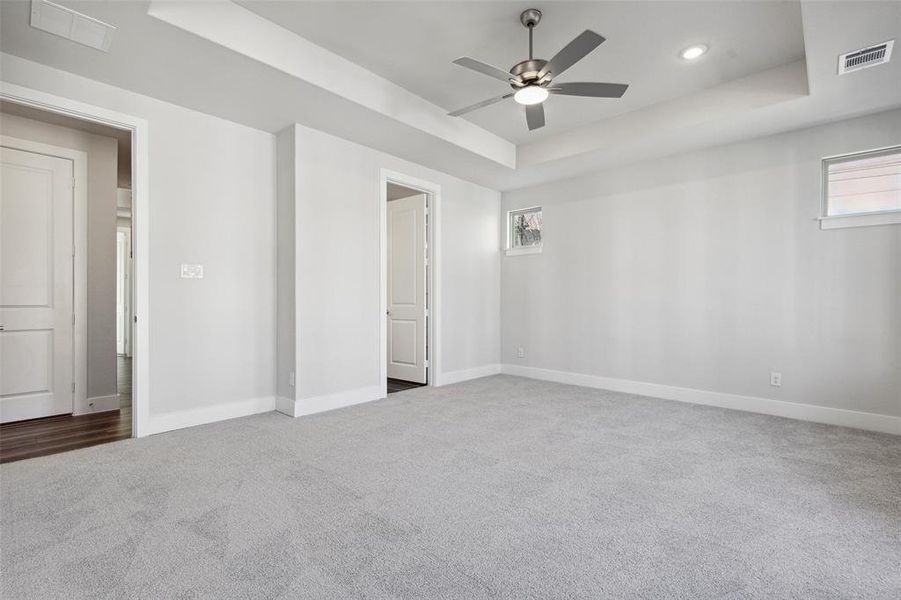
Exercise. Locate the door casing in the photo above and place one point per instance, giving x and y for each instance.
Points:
(433, 273)
(80, 261)
(140, 168)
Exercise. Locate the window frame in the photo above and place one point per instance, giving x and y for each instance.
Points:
(520, 250)
(861, 219)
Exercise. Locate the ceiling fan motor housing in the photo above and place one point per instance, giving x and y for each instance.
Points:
(527, 72)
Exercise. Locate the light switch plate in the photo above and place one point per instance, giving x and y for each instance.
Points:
(191, 271)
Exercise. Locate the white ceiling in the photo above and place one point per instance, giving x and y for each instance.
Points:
(413, 44)
(382, 76)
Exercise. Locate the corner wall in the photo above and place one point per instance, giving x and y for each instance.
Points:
(338, 271)
(705, 272)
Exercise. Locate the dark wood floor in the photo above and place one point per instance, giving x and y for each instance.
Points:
(39, 437)
(399, 385)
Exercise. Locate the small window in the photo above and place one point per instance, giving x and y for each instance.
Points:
(862, 189)
(524, 231)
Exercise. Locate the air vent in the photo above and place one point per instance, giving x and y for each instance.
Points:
(71, 25)
(865, 57)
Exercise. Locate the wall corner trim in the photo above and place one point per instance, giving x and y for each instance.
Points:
(778, 408)
(208, 414)
(467, 374)
(317, 404)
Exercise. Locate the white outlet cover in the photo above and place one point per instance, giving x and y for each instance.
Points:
(191, 271)
(776, 379)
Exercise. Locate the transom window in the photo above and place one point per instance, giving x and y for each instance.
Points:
(862, 188)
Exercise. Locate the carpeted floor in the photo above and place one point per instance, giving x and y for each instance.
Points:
(495, 488)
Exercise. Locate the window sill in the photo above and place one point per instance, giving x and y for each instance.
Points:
(522, 251)
(890, 217)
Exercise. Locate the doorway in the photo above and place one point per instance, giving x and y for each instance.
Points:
(64, 385)
(408, 290)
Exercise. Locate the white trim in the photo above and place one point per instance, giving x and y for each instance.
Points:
(433, 204)
(467, 374)
(80, 260)
(766, 406)
(285, 405)
(318, 404)
(521, 250)
(886, 217)
(140, 165)
(98, 404)
(208, 414)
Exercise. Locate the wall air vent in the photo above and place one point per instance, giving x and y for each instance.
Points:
(71, 25)
(865, 57)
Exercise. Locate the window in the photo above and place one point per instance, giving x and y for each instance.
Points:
(862, 189)
(524, 231)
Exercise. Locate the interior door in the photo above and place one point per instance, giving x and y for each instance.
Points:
(407, 289)
(36, 285)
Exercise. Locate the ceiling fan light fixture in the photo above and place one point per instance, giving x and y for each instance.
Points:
(693, 52)
(531, 94)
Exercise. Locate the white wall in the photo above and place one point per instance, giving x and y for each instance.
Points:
(338, 295)
(101, 250)
(709, 270)
(212, 201)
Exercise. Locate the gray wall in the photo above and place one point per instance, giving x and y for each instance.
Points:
(286, 309)
(101, 251)
(338, 277)
(211, 201)
(709, 270)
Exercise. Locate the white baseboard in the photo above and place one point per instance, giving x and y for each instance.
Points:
(318, 404)
(467, 374)
(778, 408)
(208, 414)
(98, 404)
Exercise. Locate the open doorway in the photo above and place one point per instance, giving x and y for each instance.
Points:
(408, 287)
(64, 384)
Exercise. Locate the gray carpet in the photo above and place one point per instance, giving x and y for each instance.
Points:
(496, 488)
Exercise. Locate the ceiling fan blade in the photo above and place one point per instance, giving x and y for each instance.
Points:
(593, 90)
(484, 68)
(572, 53)
(477, 105)
(535, 116)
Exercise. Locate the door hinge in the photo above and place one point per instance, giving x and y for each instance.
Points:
(73, 387)
(427, 312)
(73, 318)
(426, 362)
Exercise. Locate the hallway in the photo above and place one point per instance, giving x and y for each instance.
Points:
(50, 435)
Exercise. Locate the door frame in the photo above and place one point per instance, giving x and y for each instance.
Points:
(432, 193)
(79, 259)
(140, 168)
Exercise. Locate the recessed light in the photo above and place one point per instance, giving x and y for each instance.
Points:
(693, 52)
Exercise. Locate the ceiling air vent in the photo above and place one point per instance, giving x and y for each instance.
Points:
(865, 57)
(71, 25)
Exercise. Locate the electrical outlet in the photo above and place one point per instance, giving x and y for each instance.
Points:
(191, 271)
(520, 352)
(776, 379)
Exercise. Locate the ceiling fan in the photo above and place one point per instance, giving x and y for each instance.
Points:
(532, 80)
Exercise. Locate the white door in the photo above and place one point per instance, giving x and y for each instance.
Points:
(121, 290)
(36, 262)
(407, 289)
